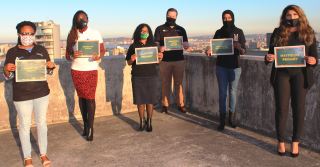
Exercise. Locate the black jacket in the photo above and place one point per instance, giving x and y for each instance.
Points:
(231, 61)
(307, 71)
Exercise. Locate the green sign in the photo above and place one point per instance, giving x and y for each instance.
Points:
(146, 55)
(31, 70)
(88, 48)
(173, 43)
(290, 56)
(222, 46)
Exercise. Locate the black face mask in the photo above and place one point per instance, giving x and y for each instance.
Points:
(292, 22)
(81, 24)
(171, 21)
(228, 23)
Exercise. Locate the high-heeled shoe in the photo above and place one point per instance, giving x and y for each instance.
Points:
(280, 152)
(294, 155)
(149, 125)
(90, 134)
(143, 124)
(85, 129)
(164, 109)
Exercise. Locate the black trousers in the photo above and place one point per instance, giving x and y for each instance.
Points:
(289, 84)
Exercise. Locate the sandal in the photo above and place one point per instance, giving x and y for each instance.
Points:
(45, 160)
(27, 162)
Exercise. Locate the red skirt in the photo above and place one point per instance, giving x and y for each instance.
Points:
(85, 83)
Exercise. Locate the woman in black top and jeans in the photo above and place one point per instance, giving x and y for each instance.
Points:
(289, 82)
(31, 96)
(228, 69)
(144, 76)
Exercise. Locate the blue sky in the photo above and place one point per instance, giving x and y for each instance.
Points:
(118, 18)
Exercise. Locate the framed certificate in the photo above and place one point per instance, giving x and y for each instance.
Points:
(146, 55)
(88, 48)
(290, 56)
(31, 70)
(173, 43)
(222, 46)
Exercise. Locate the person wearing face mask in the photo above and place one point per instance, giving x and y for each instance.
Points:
(292, 83)
(84, 71)
(228, 68)
(173, 64)
(31, 96)
(144, 76)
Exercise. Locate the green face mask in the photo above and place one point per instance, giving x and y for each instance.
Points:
(144, 36)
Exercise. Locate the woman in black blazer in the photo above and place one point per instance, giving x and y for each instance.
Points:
(292, 82)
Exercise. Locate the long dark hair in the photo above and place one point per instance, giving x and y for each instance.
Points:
(306, 33)
(136, 35)
(73, 34)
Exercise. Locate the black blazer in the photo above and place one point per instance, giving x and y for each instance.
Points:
(307, 71)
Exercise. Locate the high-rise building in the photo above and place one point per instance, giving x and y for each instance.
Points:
(268, 39)
(48, 35)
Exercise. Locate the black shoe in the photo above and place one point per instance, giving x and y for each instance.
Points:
(232, 119)
(143, 124)
(90, 134)
(85, 129)
(164, 109)
(182, 109)
(281, 153)
(220, 127)
(294, 155)
(222, 121)
(149, 125)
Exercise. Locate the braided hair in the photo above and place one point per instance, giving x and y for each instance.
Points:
(73, 34)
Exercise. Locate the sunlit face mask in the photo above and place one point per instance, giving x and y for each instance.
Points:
(27, 40)
(144, 35)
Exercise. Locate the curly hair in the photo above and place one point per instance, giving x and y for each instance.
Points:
(305, 31)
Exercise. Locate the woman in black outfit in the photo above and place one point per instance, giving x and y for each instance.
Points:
(144, 77)
(292, 83)
(228, 68)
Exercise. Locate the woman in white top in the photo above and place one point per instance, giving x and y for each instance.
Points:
(84, 70)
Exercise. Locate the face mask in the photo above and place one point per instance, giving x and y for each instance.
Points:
(292, 22)
(81, 24)
(171, 21)
(227, 23)
(27, 40)
(144, 36)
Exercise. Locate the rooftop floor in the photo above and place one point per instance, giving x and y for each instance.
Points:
(177, 140)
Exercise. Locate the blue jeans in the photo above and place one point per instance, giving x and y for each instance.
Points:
(227, 78)
(24, 110)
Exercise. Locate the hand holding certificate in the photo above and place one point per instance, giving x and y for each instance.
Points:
(290, 56)
(31, 70)
(146, 55)
(87, 48)
(222, 46)
(173, 43)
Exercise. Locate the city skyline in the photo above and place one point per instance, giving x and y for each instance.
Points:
(112, 19)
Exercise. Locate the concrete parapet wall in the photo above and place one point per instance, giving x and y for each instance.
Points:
(255, 106)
